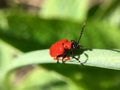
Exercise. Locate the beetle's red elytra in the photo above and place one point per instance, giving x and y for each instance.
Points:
(59, 48)
(63, 49)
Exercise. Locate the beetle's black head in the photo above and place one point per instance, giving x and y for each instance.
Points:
(74, 44)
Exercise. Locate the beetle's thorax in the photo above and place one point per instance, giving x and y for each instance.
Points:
(67, 45)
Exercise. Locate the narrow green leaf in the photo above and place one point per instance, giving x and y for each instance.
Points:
(109, 59)
(7, 54)
(97, 57)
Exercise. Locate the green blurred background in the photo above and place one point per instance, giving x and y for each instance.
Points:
(27, 25)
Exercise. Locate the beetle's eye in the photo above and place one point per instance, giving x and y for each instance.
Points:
(74, 44)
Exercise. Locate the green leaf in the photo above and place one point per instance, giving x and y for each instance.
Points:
(41, 79)
(109, 59)
(100, 58)
(75, 10)
(32, 31)
(7, 54)
(97, 57)
(3, 20)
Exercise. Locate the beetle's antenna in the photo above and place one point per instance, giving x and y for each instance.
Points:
(83, 27)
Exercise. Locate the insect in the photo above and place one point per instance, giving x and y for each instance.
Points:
(63, 49)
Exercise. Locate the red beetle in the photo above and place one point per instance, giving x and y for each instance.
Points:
(63, 49)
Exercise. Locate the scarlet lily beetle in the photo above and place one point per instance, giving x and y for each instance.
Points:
(63, 49)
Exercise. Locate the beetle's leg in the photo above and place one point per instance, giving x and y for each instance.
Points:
(57, 61)
(63, 61)
(76, 58)
(81, 47)
(86, 59)
(84, 48)
(63, 56)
